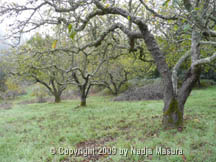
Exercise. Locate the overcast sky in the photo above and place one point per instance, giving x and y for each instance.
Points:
(4, 26)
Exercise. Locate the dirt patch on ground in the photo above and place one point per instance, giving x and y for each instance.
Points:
(152, 91)
(95, 143)
(98, 145)
(5, 106)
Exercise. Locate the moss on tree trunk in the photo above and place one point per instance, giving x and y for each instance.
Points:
(173, 116)
(57, 99)
(83, 101)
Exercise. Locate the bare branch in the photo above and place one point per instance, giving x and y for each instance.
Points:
(208, 43)
(209, 33)
(158, 15)
(120, 11)
(58, 9)
(204, 60)
(42, 82)
(112, 28)
(176, 68)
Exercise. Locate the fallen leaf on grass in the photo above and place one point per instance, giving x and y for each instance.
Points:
(184, 158)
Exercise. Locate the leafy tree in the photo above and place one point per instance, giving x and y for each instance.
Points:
(84, 68)
(114, 77)
(39, 61)
(117, 71)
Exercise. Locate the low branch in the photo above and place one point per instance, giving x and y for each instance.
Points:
(111, 29)
(43, 83)
(119, 11)
(208, 43)
(210, 33)
(88, 89)
(62, 10)
(158, 15)
(204, 60)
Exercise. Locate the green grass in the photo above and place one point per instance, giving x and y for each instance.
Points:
(28, 132)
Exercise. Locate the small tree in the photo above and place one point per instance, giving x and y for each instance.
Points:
(113, 76)
(116, 79)
(38, 60)
(84, 68)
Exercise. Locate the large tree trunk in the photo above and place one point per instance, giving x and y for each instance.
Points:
(57, 98)
(173, 114)
(173, 103)
(160, 61)
(83, 100)
(83, 95)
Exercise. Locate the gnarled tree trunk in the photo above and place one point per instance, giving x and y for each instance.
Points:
(173, 112)
(57, 98)
(173, 101)
(174, 109)
(83, 100)
(84, 90)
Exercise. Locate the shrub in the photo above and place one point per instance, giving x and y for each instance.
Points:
(152, 91)
(204, 83)
(41, 93)
(125, 87)
(142, 82)
(105, 92)
(12, 91)
(11, 94)
(96, 89)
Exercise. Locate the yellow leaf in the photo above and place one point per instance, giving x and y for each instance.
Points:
(107, 5)
(196, 120)
(54, 44)
(129, 18)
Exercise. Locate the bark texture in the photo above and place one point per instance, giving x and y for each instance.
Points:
(83, 101)
(173, 115)
(57, 98)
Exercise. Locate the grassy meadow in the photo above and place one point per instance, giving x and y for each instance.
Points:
(34, 132)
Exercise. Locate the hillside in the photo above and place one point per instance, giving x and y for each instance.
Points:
(29, 132)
